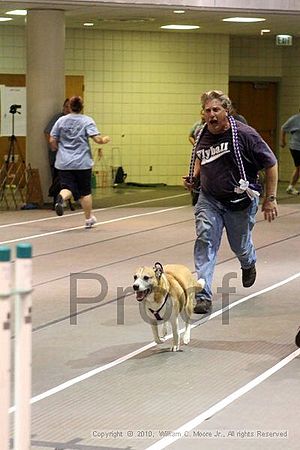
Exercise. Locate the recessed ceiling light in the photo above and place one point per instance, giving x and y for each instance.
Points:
(88, 24)
(180, 27)
(17, 12)
(179, 11)
(5, 19)
(244, 19)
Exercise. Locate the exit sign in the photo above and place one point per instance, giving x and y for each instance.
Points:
(284, 39)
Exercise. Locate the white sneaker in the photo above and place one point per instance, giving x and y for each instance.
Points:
(90, 222)
(291, 190)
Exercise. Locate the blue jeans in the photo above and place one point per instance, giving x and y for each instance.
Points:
(211, 218)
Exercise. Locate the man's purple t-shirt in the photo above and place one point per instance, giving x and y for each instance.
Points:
(219, 170)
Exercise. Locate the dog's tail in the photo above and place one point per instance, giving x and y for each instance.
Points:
(200, 284)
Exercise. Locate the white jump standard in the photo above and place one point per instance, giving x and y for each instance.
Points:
(21, 292)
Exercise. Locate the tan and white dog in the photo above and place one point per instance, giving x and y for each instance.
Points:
(167, 292)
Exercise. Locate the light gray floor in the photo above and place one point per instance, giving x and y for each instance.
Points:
(137, 387)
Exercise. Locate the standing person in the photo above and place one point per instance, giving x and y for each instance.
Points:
(292, 126)
(70, 138)
(195, 130)
(54, 188)
(236, 115)
(229, 154)
(51, 154)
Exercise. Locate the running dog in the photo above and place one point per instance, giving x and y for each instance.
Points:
(165, 293)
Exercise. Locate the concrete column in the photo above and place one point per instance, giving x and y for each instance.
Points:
(45, 83)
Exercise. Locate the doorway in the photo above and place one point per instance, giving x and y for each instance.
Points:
(257, 102)
(74, 85)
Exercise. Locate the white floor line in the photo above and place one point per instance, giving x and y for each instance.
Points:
(180, 432)
(244, 299)
(91, 373)
(118, 219)
(85, 376)
(55, 217)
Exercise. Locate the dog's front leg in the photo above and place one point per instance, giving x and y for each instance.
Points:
(164, 329)
(156, 337)
(176, 336)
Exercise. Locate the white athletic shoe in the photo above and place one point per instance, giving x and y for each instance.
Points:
(90, 222)
(291, 190)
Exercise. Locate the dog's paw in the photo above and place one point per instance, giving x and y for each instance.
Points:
(160, 340)
(174, 348)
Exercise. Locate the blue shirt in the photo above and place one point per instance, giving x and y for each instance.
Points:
(72, 132)
(292, 126)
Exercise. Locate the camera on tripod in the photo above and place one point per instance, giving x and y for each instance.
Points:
(13, 109)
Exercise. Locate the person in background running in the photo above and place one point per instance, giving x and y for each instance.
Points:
(70, 138)
(292, 127)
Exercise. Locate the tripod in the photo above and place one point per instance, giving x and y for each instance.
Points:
(13, 176)
(13, 142)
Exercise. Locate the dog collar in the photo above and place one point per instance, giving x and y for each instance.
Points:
(156, 313)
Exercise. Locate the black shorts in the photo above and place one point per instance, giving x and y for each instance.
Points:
(296, 157)
(79, 182)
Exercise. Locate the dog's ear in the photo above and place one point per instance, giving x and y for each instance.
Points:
(158, 270)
